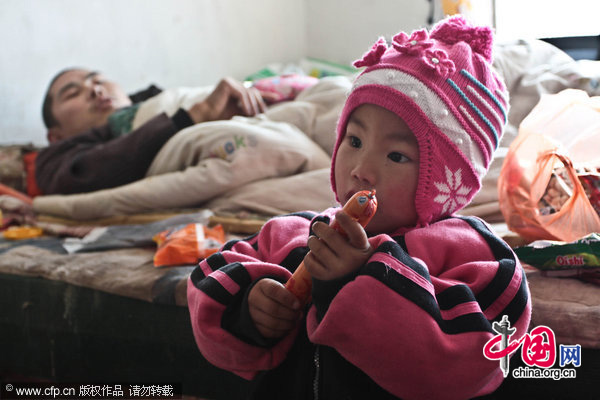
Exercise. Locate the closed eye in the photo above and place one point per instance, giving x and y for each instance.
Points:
(71, 93)
(398, 157)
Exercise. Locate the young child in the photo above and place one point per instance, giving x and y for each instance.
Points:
(404, 307)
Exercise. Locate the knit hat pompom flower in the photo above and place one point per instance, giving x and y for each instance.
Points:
(457, 29)
(438, 61)
(372, 56)
(414, 45)
(442, 84)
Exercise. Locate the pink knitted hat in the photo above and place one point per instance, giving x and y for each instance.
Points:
(443, 86)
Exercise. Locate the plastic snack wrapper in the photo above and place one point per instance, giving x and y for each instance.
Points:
(187, 245)
(548, 181)
(21, 232)
(577, 259)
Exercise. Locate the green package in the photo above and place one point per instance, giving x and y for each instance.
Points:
(551, 255)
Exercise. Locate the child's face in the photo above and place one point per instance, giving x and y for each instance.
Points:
(380, 152)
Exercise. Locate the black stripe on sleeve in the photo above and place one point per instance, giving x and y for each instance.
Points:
(304, 214)
(214, 290)
(320, 218)
(454, 296)
(294, 258)
(296, 255)
(507, 263)
(517, 305)
(238, 273)
(210, 286)
(458, 294)
(229, 245)
(215, 261)
(475, 322)
(197, 275)
(401, 242)
(308, 215)
(398, 252)
(498, 284)
(503, 255)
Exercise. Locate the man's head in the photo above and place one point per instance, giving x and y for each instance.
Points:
(78, 100)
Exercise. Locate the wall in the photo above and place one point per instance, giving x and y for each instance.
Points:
(136, 42)
(341, 31)
(552, 18)
(176, 42)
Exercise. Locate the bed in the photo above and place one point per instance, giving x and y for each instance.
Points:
(104, 313)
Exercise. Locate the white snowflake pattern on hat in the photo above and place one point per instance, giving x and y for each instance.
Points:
(452, 193)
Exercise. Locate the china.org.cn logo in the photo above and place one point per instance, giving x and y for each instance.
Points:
(538, 350)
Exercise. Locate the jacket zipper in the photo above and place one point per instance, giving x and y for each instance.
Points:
(317, 362)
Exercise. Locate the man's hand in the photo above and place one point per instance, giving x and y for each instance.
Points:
(273, 309)
(229, 98)
(17, 210)
(332, 255)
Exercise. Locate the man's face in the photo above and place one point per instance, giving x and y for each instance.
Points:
(82, 100)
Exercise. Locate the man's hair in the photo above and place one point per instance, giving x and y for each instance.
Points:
(47, 115)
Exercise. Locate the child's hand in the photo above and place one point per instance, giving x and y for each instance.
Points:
(332, 255)
(273, 309)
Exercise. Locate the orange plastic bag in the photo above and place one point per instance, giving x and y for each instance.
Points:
(187, 245)
(562, 129)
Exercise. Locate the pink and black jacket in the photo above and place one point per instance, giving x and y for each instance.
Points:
(410, 323)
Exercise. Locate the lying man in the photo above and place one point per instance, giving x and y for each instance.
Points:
(92, 143)
(248, 162)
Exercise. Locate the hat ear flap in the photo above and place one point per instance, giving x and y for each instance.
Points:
(457, 29)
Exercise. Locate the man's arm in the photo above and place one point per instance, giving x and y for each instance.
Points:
(96, 160)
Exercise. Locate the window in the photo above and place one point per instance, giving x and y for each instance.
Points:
(546, 18)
